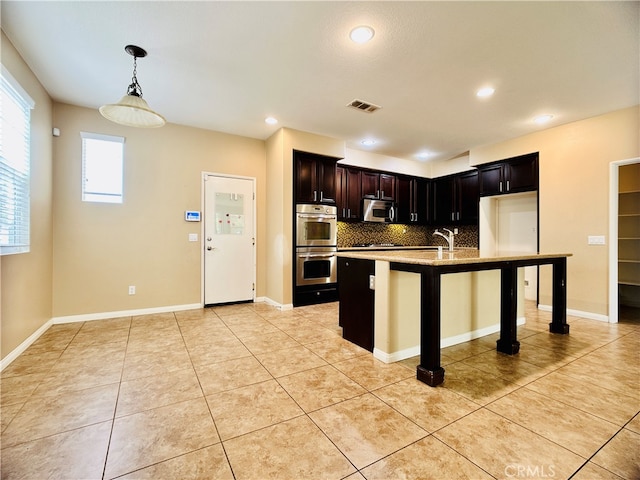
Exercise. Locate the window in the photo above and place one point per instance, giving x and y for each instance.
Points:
(102, 167)
(15, 139)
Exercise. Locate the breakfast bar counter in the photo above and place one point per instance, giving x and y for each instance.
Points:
(431, 265)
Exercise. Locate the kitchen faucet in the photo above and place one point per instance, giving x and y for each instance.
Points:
(448, 238)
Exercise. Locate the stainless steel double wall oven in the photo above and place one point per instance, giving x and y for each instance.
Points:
(315, 254)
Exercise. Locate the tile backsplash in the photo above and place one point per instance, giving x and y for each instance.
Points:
(409, 235)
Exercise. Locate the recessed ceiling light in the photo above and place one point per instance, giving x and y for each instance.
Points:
(271, 120)
(367, 142)
(485, 92)
(423, 155)
(541, 119)
(361, 34)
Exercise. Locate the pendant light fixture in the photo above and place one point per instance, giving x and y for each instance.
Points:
(132, 110)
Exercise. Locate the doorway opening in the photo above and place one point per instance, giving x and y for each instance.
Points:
(624, 244)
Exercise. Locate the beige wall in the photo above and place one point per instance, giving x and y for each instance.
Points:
(376, 161)
(25, 292)
(277, 241)
(101, 249)
(574, 196)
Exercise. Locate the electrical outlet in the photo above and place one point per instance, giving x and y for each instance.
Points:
(455, 231)
(132, 289)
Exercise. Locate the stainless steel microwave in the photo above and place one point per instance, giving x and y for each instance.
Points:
(382, 211)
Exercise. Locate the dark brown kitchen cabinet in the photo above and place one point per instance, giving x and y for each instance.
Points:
(315, 178)
(412, 200)
(456, 199)
(356, 306)
(513, 175)
(348, 192)
(381, 186)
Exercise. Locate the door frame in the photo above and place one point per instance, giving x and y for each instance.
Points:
(614, 175)
(203, 179)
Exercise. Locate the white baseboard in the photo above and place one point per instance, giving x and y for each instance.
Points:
(445, 342)
(396, 356)
(273, 303)
(86, 317)
(15, 353)
(578, 313)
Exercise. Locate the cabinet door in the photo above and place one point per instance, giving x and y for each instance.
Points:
(467, 198)
(356, 306)
(341, 192)
(326, 186)
(370, 184)
(443, 201)
(490, 180)
(421, 200)
(522, 174)
(387, 187)
(404, 199)
(306, 179)
(354, 193)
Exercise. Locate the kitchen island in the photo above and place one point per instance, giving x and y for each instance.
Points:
(431, 265)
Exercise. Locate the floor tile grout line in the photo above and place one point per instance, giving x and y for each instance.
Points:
(213, 420)
(115, 407)
(588, 460)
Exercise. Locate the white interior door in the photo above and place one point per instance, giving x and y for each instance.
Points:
(229, 239)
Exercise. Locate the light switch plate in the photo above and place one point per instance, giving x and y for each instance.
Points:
(596, 240)
(372, 282)
(193, 237)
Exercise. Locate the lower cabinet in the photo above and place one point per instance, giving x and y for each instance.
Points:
(356, 300)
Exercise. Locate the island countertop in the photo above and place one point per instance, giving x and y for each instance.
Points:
(462, 256)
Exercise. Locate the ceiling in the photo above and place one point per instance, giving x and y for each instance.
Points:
(225, 66)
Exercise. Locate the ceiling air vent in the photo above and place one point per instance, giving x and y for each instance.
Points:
(363, 106)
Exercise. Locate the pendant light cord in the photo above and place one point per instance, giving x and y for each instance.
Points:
(134, 89)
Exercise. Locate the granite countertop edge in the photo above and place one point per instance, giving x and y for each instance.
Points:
(430, 256)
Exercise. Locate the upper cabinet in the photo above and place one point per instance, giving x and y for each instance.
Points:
(412, 200)
(315, 178)
(456, 199)
(381, 186)
(348, 192)
(513, 175)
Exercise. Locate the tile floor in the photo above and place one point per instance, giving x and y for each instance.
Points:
(250, 392)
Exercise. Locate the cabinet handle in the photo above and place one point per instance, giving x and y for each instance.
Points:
(378, 194)
(321, 195)
(453, 216)
(344, 212)
(315, 196)
(382, 196)
(500, 187)
(508, 185)
(416, 219)
(348, 213)
(458, 216)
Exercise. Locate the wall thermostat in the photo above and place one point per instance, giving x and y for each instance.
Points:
(190, 216)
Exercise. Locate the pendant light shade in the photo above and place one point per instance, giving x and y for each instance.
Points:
(132, 110)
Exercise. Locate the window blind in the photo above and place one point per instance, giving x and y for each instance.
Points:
(15, 137)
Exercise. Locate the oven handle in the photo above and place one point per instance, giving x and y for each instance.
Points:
(319, 217)
(316, 255)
